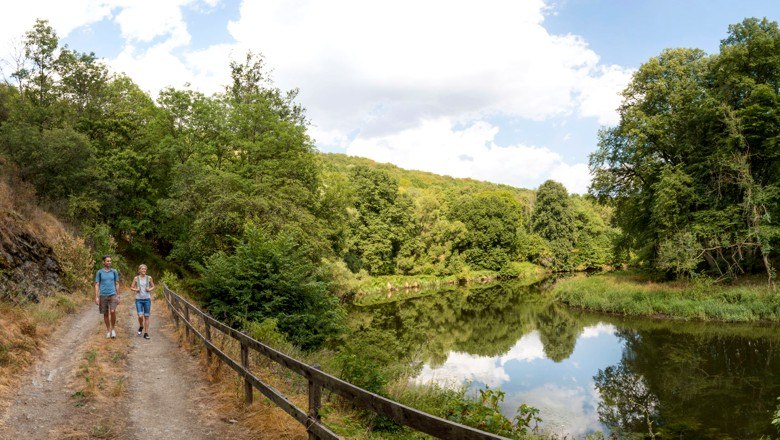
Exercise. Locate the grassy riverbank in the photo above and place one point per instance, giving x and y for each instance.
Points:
(390, 288)
(638, 294)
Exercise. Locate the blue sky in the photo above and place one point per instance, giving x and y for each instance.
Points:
(511, 91)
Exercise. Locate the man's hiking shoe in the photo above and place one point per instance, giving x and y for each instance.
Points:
(108, 335)
(113, 334)
(146, 336)
(140, 329)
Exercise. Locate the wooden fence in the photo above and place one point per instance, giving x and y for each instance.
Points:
(182, 310)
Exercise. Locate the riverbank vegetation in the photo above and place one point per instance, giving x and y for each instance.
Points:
(644, 294)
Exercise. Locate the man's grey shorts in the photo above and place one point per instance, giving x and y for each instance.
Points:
(108, 302)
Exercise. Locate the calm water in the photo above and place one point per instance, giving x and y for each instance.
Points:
(589, 372)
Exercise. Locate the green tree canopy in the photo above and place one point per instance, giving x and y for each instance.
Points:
(492, 220)
(553, 220)
(692, 168)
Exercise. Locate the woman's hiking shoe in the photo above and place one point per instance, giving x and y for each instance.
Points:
(146, 336)
(140, 329)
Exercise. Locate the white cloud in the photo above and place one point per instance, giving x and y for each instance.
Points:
(168, 69)
(598, 95)
(575, 178)
(460, 367)
(597, 330)
(64, 17)
(565, 410)
(143, 20)
(383, 66)
(438, 146)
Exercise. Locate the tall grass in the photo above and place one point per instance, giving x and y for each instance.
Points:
(637, 294)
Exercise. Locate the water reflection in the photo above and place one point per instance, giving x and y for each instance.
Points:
(708, 384)
(586, 372)
(627, 405)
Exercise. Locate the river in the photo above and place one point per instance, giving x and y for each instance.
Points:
(588, 372)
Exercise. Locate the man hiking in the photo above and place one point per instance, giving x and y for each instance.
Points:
(107, 295)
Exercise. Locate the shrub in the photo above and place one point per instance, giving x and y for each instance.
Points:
(485, 414)
(269, 277)
(523, 270)
(75, 261)
(267, 332)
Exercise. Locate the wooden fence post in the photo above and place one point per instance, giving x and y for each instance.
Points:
(208, 338)
(315, 401)
(175, 305)
(187, 324)
(248, 397)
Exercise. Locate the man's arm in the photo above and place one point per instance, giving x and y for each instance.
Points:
(116, 284)
(97, 300)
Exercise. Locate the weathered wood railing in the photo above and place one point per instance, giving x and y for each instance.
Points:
(317, 380)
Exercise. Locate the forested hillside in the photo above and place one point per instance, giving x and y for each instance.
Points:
(223, 185)
(412, 222)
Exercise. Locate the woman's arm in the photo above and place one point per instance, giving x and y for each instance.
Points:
(134, 286)
(150, 287)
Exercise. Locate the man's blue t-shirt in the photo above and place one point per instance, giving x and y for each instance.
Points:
(107, 280)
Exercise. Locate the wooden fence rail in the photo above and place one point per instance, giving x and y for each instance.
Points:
(181, 311)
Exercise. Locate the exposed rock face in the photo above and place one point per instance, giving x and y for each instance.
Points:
(28, 268)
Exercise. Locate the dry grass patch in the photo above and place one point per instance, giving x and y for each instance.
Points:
(23, 330)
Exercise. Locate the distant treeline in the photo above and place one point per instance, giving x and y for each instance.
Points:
(411, 222)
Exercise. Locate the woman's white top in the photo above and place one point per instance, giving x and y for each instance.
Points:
(142, 283)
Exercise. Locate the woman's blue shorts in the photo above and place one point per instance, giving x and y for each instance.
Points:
(143, 306)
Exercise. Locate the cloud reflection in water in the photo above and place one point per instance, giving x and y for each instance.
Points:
(563, 391)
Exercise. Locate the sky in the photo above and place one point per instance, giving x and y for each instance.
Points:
(510, 91)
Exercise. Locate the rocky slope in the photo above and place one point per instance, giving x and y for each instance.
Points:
(37, 255)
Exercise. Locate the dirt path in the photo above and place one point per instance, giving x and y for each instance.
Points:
(41, 406)
(86, 386)
(167, 397)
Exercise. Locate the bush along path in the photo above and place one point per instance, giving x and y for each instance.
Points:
(86, 386)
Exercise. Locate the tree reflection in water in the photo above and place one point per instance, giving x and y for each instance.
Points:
(627, 405)
(692, 381)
